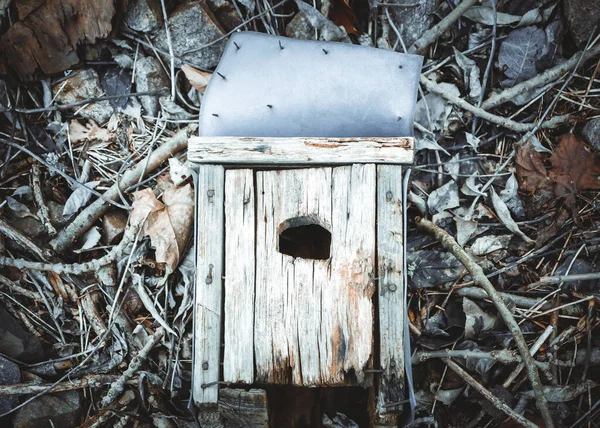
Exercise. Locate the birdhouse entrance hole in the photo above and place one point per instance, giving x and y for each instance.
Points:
(305, 238)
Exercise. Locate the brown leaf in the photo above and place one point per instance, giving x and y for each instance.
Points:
(342, 15)
(168, 223)
(90, 131)
(198, 79)
(530, 169)
(574, 169)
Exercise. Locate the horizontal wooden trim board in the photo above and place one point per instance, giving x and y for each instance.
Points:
(300, 151)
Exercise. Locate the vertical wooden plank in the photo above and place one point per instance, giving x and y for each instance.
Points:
(390, 289)
(314, 318)
(209, 283)
(238, 360)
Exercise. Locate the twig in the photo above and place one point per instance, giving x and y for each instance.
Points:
(503, 356)
(519, 301)
(149, 304)
(498, 404)
(76, 268)
(534, 348)
(43, 213)
(57, 107)
(540, 80)
(170, 45)
(94, 211)
(431, 86)
(134, 365)
(20, 290)
(549, 280)
(480, 279)
(431, 35)
(26, 243)
(92, 381)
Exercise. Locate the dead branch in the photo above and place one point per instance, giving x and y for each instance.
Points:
(557, 279)
(431, 35)
(498, 404)
(519, 301)
(76, 268)
(134, 365)
(93, 381)
(548, 76)
(86, 218)
(431, 86)
(23, 241)
(480, 279)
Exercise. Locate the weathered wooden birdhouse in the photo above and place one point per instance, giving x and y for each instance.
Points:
(299, 217)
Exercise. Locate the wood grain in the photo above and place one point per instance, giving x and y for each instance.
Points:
(238, 360)
(314, 318)
(209, 283)
(390, 288)
(300, 151)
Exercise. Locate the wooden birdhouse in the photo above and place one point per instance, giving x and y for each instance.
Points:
(299, 218)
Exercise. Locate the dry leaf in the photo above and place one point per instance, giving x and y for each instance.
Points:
(168, 224)
(342, 15)
(198, 79)
(90, 131)
(530, 169)
(574, 169)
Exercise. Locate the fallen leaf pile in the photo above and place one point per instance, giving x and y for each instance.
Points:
(167, 223)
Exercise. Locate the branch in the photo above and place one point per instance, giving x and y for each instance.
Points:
(440, 28)
(28, 388)
(87, 217)
(431, 86)
(498, 404)
(480, 279)
(548, 76)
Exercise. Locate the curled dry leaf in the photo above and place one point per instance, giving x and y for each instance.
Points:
(168, 223)
(530, 169)
(198, 79)
(342, 15)
(90, 131)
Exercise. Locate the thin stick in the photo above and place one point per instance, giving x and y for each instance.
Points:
(91, 381)
(540, 80)
(498, 404)
(134, 365)
(170, 45)
(18, 237)
(94, 211)
(534, 348)
(549, 280)
(431, 86)
(480, 279)
(43, 213)
(440, 28)
(57, 107)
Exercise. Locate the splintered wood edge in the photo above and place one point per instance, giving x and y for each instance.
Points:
(300, 151)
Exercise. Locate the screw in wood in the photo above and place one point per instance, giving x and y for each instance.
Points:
(215, 115)
(389, 195)
(399, 118)
(210, 193)
(400, 66)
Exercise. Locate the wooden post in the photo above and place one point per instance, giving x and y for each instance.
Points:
(390, 237)
(209, 283)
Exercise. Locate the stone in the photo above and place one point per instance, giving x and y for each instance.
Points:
(591, 133)
(62, 409)
(150, 76)
(309, 21)
(226, 13)
(582, 17)
(9, 374)
(412, 21)
(192, 26)
(113, 225)
(144, 16)
(83, 85)
(16, 342)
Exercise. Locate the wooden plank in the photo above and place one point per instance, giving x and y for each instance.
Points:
(314, 318)
(238, 360)
(390, 289)
(242, 408)
(209, 283)
(300, 151)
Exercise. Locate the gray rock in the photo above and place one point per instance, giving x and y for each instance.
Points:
(192, 26)
(9, 374)
(63, 409)
(150, 76)
(591, 133)
(83, 85)
(143, 15)
(582, 16)
(413, 21)
(16, 342)
(309, 21)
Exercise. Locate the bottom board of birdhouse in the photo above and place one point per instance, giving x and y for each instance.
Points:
(289, 261)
